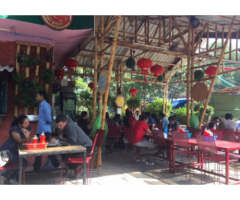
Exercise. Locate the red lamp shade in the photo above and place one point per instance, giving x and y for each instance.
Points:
(144, 64)
(70, 63)
(210, 71)
(133, 91)
(157, 70)
(91, 85)
(59, 73)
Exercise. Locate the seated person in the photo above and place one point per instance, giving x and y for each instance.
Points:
(228, 123)
(110, 121)
(18, 134)
(139, 130)
(215, 121)
(154, 116)
(173, 124)
(117, 119)
(164, 119)
(211, 126)
(132, 120)
(84, 123)
(74, 135)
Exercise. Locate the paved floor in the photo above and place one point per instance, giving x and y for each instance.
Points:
(115, 171)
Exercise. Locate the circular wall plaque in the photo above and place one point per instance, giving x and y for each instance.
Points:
(199, 92)
(119, 101)
(57, 22)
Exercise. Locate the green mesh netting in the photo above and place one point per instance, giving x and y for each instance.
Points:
(97, 125)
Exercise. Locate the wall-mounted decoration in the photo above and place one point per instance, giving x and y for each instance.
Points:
(7, 67)
(57, 22)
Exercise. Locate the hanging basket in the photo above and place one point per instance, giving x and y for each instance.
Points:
(198, 74)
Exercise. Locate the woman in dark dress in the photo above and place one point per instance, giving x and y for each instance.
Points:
(18, 134)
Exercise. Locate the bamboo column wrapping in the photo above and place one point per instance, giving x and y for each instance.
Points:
(110, 69)
(101, 58)
(47, 67)
(188, 72)
(215, 75)
(95, 68)
(16, 86)
(27, 75)
(37, 67)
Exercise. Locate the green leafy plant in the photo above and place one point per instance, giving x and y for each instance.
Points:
(208, 114)
(157, 106)
(134, 103)
(18, 78)
(48, 75)
(48, 56)
(26, 60)
(181, 115)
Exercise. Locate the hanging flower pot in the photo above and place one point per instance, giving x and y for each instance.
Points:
(210, 71)
(160, 78)
(130, 63)
(198, 74)
(71, 63)
(91, 86)
(133, 91)
(59, 73)
(144, 64)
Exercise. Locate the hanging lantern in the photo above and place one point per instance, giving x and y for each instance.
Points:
(130, 63)
(133, 91)
(210, 71)
(160, 78)
(157, 70)
(144, 64)
(198, 74)
(91, 86)
(119, 101)
(59, 73)
(70, 63)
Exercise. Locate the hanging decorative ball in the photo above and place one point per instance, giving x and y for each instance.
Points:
(198, 74)
(133, 91)
(59, 73)
(91, 86)
(71, 63)
(210, 71)
(130, 63)
(157, 70)
(119, 101)
(144, 64)
(160, 78)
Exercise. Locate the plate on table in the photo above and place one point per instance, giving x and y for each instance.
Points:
(53, 144)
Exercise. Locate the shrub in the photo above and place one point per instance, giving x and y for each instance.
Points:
(157, 106)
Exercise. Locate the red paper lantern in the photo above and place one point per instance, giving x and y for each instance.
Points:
(91, 85)
(210, 71)
(70, 63)
(133, 91)
(144, 64)
(157, 70)
(59, 73)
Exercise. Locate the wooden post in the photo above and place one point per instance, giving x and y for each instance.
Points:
(27, 75)
(170, 31)
(192, 67)
(95, 68)
(160, 31)
(124, 28)
(110, 70)
(47, 67)
(166, 100)
(37, 67)
(188, 72)
(215, 75)
(136, 27)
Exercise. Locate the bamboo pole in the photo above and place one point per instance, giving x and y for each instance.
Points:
(124, 28)
(110, 71)
(16, 86)
(32, 44)
(47, 67)
(136, 26)
(208, 36)
(170, 31)
(28, 53)
(188, 72)
(192, 69)
(147, 29)
(166, 100)
(101, 58)
(216, 39)
(160, 31)
(237, 46)
(180, 33)
(215, 75)
(37, 67)
(164, 30)
(95, 68)
(199, 39)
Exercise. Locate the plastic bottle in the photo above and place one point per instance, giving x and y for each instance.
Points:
(35, 139)
(42, 138)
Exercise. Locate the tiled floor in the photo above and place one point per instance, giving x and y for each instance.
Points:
(115, 172)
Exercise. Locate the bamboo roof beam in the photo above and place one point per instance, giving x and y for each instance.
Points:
(180, 33)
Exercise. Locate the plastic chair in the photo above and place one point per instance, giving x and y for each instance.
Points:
(79, 160)
(218, 133)
(207, 145)
(180, 140)
(159, 126)
(234, 137)
(226, 133)
(114, 134)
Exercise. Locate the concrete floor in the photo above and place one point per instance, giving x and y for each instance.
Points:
(115, 171)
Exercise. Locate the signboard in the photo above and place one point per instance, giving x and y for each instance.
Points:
(102, 82)
(57, 22)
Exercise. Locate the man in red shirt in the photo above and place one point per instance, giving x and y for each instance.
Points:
(139, 130)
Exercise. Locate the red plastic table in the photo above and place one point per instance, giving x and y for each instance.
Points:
(220, 145)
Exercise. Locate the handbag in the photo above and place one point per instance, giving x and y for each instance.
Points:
(5, 157)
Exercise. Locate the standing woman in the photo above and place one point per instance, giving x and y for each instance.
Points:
(19, 134)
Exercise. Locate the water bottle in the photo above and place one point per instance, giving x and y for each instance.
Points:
(42, 138)
(35, 139)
